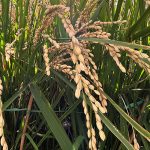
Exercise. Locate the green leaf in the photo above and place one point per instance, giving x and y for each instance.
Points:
(32, 141)
(51, 118)
(119, 5)
(116, 132)
(119, 43)
(139, 128)
(54, 2)
(112, 128)
(57, 100)
(139, 22)
(145, 143)
(67, 113)
(142, 33)
(118, 10)
(78, 142)
(17, 140)
(135, 125)
(123, 125)
(11, 100)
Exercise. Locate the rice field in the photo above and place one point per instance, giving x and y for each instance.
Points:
(74, 75)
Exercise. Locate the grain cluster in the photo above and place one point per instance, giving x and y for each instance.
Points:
(147, 2)
(75, 59)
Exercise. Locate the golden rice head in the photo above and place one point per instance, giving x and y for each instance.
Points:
(147, 2)
(84, 15)
(90, 130)
(100, 127)
(96, 34)
(67, 25)
(77, 56)
(56, 45)
(46, 59)
(82, 60)
(115, 54)
(135, 142)
(109, 23)
(9, 47)
(97, 87)
(138, 57)
(50, 13)
(9, 51)
(95, 105)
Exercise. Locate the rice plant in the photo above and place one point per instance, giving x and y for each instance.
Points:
(74, 74)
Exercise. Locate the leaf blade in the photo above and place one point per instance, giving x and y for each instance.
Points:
(51, 118)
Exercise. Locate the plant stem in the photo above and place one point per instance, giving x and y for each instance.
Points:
(26, 122)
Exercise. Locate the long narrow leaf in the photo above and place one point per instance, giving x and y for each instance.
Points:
(139, 22)
(51, 118)
(105, 41)
(139, 128)
(116, 132)
(105, 120)
(78, 142)
(11, 100)
(32, 141)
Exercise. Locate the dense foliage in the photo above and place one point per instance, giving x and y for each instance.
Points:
(44, 75)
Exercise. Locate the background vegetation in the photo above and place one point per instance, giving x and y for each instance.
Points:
(56, 120)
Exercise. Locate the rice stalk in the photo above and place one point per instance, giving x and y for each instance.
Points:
(83, 70)
(73, 57)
